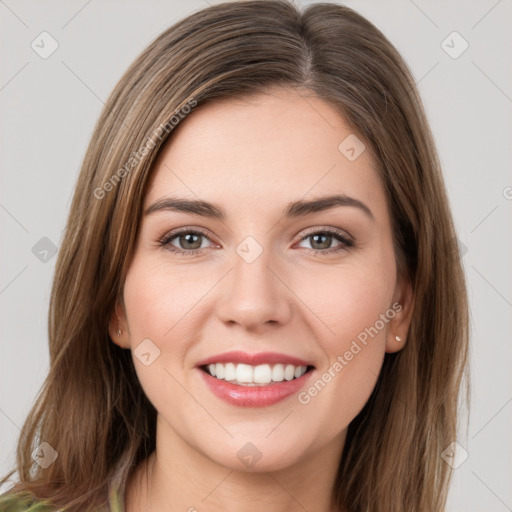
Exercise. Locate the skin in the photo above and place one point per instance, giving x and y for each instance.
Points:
(252, 157)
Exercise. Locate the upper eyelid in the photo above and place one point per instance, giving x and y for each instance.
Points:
(326, 229)
(174, 233)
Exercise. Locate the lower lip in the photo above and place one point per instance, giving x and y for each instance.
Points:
(254, 396)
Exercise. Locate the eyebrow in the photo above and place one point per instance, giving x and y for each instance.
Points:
(294, 209)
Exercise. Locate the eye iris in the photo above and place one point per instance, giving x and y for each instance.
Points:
(188, 240)
(325, 236)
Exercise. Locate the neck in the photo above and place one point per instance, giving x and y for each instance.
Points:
(177, 477)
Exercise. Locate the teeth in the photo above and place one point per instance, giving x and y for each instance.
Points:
(219, 371)
(262, 374)
(289, 372)
(243, 373)
(229, 371)
(278, 373)
(247, 375)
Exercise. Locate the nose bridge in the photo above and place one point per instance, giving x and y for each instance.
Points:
(254, 295)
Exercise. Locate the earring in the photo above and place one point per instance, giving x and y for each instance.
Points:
(118, 331)
(397, 338)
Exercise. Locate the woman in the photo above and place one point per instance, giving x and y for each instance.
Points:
(257, 303)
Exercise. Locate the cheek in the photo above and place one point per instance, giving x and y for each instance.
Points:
(351, 303)
(159, 302)
(160, 299)
(348, 301)
(166, 304)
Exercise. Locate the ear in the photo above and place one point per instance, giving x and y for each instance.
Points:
(402, 305)
(118, 326)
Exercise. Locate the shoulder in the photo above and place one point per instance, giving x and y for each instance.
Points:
(25, 502)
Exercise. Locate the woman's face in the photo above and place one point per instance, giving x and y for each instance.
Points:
(260, 269)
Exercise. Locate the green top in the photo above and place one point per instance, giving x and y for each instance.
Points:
(28, 503)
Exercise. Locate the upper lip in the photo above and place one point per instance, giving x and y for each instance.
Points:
(253, 359)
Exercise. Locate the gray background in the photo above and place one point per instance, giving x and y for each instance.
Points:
(49, 107)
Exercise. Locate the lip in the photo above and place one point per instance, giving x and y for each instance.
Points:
(238, 356)
(254, 396)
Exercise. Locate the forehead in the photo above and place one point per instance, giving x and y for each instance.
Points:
(266, 149)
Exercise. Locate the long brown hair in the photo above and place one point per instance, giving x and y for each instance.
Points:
(91, 408)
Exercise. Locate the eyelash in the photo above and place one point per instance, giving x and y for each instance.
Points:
(339, 235)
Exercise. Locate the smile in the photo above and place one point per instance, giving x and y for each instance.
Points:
(247, 375)
(254, 380)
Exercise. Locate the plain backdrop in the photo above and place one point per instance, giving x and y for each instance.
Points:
(50, 105)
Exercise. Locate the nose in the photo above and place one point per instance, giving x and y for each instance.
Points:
(255, 295)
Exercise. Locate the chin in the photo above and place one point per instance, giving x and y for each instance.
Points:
(257, 456)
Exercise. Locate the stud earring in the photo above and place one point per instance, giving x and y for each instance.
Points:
(397, 338)
(118, 332)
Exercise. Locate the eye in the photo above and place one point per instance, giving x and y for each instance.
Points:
(191, 242)
(321, 241)
(185, 241)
